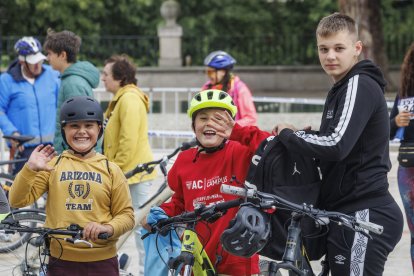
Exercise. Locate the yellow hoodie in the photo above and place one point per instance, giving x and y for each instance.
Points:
(79, 191)
(126, 133)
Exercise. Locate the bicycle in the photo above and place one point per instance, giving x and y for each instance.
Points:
(13, 263)
(161, 195)
(10, 242)
(294, 258)
(20, 139)
(193, 258)
(35, 263)
(6, 179)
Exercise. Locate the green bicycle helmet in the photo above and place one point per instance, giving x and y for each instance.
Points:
(211, 98)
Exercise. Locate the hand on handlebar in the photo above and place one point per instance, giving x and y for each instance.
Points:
(145, 224)
(93, 229)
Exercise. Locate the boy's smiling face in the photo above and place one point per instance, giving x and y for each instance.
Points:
(82, 135)
(204, 127)
(338, 53)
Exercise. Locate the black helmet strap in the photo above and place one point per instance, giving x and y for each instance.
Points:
(208, 150)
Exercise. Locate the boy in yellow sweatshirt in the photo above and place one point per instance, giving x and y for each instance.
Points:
(83, 187)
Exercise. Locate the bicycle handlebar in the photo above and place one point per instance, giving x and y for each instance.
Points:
(149, 166)
(267, 200)
(201, 213)
(74, 230)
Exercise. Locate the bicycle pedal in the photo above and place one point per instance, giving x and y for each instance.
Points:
(123, 260)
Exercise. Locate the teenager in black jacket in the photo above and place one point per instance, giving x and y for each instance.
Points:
(352, 146)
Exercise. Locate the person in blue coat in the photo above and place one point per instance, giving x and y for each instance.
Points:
(28, 97)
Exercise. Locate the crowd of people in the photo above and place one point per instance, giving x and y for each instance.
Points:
(80, 153)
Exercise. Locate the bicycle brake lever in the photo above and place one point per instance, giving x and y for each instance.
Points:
(69, 240)
(78, 241)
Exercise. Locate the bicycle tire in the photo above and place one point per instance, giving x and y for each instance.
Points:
(17, 262)
(31, 218)
(6, 181)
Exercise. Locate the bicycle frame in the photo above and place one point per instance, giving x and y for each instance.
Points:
(294, 257)
(192, 256)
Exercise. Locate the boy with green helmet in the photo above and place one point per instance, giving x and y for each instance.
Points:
(198, 173)
(210, 99)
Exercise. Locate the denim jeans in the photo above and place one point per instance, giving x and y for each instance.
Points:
(405, 176)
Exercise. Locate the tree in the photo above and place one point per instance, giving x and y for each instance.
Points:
(368, 17)
(257, 32)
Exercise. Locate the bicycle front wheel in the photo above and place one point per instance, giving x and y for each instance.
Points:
(19, 256)
(26, 217)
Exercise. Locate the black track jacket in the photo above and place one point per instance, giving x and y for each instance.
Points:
(352, 143)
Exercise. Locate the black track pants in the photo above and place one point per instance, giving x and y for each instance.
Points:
(353, 254)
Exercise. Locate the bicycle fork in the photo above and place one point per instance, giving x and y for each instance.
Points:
(191, 258)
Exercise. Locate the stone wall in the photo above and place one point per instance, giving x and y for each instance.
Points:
(287, 81)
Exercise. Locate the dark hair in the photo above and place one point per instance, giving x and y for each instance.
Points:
(407, 74)
(334, 23)
(67, 41)
(123, 69)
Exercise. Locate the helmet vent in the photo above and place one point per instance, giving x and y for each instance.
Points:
(71, 114)
(222, 95)
(198, 97)
(91, 113)
(210, 95)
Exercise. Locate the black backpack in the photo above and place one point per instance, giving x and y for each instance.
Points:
(293, 177)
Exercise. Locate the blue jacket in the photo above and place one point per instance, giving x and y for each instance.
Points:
(26, 108)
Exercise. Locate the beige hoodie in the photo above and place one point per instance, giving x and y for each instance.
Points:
(79, 191)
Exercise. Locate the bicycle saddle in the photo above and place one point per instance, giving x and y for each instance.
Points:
(20, 138)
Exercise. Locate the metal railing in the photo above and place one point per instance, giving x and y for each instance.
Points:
(167, 106)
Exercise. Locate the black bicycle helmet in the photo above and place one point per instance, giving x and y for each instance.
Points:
(247, 233)
(82, 108)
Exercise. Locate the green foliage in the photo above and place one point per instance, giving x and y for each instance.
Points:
(256, 32)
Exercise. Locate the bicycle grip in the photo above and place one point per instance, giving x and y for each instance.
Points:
(370, 226)
(223, 206)
(103, 236)
(132, 172)
(232, 190)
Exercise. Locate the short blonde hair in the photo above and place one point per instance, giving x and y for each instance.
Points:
(335, 23)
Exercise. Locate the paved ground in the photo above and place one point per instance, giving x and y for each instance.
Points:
(398, 264)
